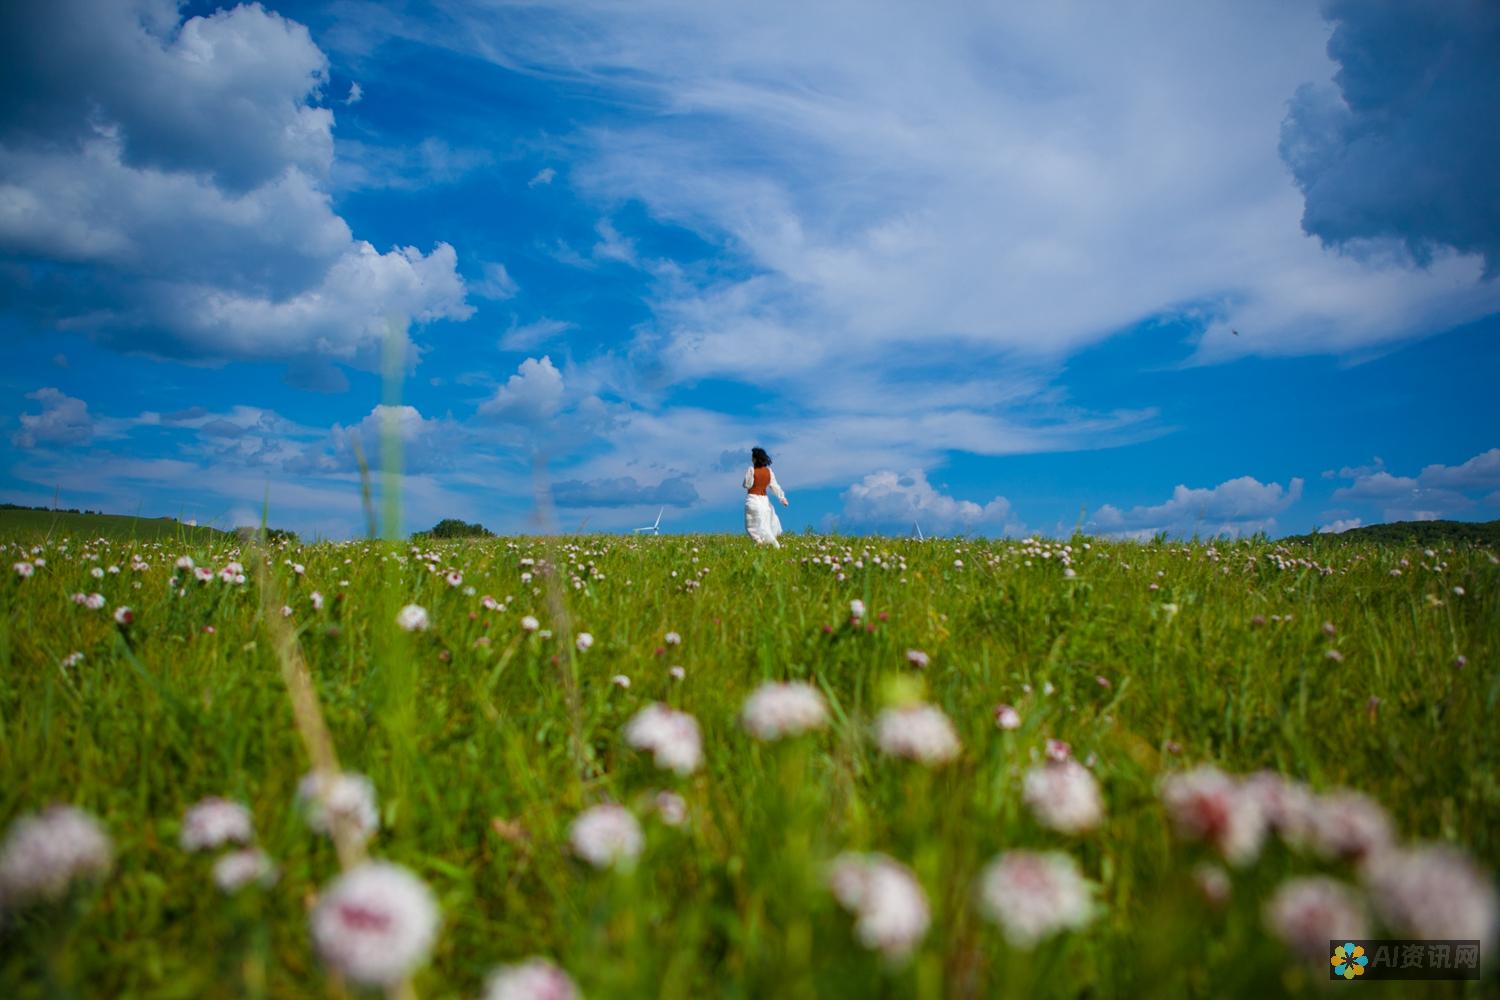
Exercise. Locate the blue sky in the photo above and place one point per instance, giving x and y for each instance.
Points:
(1218, 267)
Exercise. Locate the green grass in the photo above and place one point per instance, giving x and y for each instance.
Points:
(33, 523)
(458, 733)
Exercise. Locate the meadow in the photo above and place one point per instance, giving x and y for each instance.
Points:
(1198, 762)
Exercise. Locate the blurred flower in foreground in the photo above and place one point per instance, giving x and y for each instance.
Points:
(857, 609)
(1288, 806)
(1213, 884)
(917, 658)
(886, 899)
(1064, 796)
(533, 979)
(214, 822)
(671, 736)
(237, 869)
(1006, 717)
(1348, 825)
(45, 853)
(1032, 895)
(1306, 913)
(1207, 804)
(1433, 891)
(606, 835)
(583, 642)
(671, 807)
(777, 710)
(529, 623)
(412, 618)
(349, 797)
(375, 923)
(917, 732)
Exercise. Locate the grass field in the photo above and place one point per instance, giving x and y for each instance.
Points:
(1350, 666)
(31, 524)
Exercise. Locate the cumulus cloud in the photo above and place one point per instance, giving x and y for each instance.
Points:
(64, 420)
(542, 177)
(894, 501)
(1236, 507)
(1340, 526)
(1436, 491)
(1403, 145)
(675, 491)
(180, 169)
(533, 394)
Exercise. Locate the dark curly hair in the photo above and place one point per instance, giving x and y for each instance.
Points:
(759, 458)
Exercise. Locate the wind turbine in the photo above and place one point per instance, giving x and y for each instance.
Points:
(920, 537)
(655, 527)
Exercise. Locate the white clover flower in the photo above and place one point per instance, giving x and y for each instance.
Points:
(455, 578)
(184, 562)
(1306, 913)
(286, 611)
(1434, 892)
(917, 732)
(298, 568)
(237, 869)
(671, 807)
(94, 602)
(620, 681)
(777, 710)
(375, 924)
(349, 798)
(857, 609)
(917, 658)
(673, 639)
(123, 615)
(1289, 807)
(1064, 796)
(1207, 804)
(71, 660)
(96, 573)
(583, 641)
(1032, 895)
(1347, 825)
(45, 853)
(1006, 717)
(24, 569)
(413, 618)
(606, 836)
(214, 822)
(889, 906)
(533, 979)
(672, 737)
(530, 624)
(677, 673)
(317, 600)
(203, 574)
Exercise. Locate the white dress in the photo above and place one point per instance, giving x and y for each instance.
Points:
(761, 522)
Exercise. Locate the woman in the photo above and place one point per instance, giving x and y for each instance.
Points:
(761, 522)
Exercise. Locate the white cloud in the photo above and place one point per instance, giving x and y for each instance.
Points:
(64, 420)
(542, 177)
(497, 284)
(532, 395)
(1437, 491)
(1340, 526)
(895, 501)
(1235, 507)
(528, 336)
(184, 167)
(356, 93)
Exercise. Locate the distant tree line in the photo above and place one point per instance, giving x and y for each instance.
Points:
(1415, 533)
(452, 527)
(50, 510)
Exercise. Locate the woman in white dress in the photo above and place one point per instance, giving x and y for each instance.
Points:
(761, 522)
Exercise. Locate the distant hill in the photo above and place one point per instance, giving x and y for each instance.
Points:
(26, 523)
(1415, 533)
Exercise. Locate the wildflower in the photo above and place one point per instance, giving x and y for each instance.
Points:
(677, 673)
(1306, 913)
(1207, 804)
(1058, 751)
(184, 562)
(917, 658)
(1459, 662)
(96, 573)
(605, 836)
(777, 710)
(1103, 682)
(317, 600)
(958, 564)
(455, 578)
(1063, 796)
(71, 660)
(489, 603)
(208, 630)
(1007, 717)
(203, 574)
(1433, 892)
(214, 822)
(530, 624)
(583, 642)
(671, 736)
(286, 611)
(298, 569)
(346, 799)
(375, 923)
(1347, 825)
(1032, 895)
(672, 639)
(1329, 629)
(620, 681)
(45, 853)
(124, 616)
(412, 618)
(24, 569)
(1458, 591)
(671, 807)
(533, 979)
(1334, 655)
(917, 732)
(1213, 884)
(1287, 806)
(889, 906)
(857, 609)
(237, 869)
